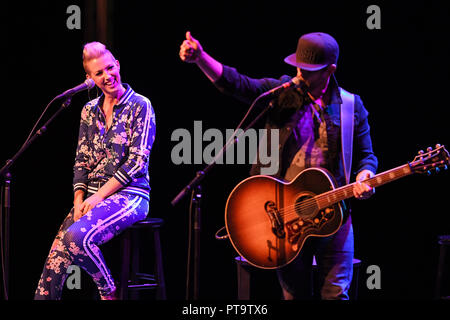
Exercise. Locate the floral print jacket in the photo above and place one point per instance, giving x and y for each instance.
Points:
(122, 151)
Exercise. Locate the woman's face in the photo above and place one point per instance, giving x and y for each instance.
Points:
(105, 71)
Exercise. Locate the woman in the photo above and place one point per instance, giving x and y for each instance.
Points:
(111, 180)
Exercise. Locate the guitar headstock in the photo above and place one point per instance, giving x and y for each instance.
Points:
(431, 160)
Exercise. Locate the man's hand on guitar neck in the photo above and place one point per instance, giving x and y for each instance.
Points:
(362, 190)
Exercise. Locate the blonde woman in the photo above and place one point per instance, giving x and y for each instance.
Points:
(111, 180)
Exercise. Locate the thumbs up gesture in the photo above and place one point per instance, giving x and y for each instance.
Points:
(190, 49)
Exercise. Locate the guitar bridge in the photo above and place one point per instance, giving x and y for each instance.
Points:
(275, 220)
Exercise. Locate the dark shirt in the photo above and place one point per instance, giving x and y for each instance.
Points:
(288, 116)
(308, 144)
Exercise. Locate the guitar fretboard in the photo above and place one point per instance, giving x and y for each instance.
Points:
(331, 197)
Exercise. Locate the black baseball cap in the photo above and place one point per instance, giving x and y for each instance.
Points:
(314, 52)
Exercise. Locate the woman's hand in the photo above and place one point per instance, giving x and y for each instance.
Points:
(77, 207)
(77, 204)
(84, 207)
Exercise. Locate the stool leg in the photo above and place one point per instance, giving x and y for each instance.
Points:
(243, 277)
(125, 272)
(133, 294)
(440, 271)
(161, 290)
(355, 280)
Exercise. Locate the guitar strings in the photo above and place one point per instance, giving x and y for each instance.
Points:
(377, 180)
(291, 211)
(295, 210)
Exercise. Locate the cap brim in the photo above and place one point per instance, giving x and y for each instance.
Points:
(292, 60)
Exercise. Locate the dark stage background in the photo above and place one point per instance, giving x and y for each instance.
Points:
(400, 71)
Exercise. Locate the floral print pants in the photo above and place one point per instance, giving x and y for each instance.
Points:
(77, 243)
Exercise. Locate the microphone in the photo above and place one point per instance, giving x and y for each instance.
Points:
(294, 82)
(87, 84)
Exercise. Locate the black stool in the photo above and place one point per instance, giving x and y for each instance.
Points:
(133, 280)
(245, 269)
(243, 278)
(252, 282)
(444, 242)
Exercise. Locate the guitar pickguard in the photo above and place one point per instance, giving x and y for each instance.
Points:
(301, 227)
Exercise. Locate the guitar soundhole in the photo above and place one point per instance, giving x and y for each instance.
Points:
(305, 206)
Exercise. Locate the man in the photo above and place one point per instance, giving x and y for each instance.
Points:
(310, 136)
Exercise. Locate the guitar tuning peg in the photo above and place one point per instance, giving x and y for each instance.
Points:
(429, 149)
(429, 173)
(437, 169)
(445, 167)
(420, 152)
(438, 146)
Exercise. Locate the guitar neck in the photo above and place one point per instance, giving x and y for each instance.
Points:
(331, 197)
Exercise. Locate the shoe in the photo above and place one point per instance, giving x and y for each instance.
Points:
(111, 296)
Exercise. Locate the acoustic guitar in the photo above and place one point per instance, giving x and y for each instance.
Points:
(268, 220)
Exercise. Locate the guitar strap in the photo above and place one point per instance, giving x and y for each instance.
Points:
(347, 124)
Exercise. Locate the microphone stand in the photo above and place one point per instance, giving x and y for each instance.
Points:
(5, 208)
(195, 188)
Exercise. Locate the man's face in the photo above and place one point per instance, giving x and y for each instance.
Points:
(317, 81)
(105, 71)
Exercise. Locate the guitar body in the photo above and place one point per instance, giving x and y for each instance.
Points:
(268, 220)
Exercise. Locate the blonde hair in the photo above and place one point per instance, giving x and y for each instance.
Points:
(93, 50)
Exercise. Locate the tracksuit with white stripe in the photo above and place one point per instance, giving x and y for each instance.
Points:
(122, 152)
